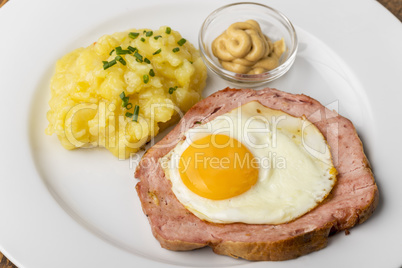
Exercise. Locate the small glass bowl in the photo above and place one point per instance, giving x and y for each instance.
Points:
(273, 24)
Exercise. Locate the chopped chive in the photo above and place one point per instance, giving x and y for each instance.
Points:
(138, 56)
(133, 35)
(128, 114)
(151, 72)
(136, 112)
(124, 102)
(111, 52)
(120, 59)
(149, 33)
(147, 61)
(132, 49)
(142, 39)
(120, 51)
(108, 64)
(157, 52)
(172, 89)
(191, 62)
(157, 37)
(124, 99)
(168, 30)
(176, 49)
(129, 106)
(197, 122)
(145, 78)
(181, 42)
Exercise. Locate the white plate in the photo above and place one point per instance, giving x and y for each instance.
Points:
(79, 208)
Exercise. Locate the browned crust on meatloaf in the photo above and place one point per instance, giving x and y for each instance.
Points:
(351, 202)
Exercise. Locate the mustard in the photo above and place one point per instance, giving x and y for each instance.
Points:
(244, 49)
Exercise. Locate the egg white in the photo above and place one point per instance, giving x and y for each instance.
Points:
(295, 167)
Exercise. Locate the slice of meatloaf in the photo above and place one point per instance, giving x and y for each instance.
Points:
(352, 200)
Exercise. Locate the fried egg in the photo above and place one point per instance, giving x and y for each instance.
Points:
(253, 165)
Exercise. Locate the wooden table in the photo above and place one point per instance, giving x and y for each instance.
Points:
(394, 6)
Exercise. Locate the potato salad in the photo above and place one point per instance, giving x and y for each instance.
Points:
(120, 91)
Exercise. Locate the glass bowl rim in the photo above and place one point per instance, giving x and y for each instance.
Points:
(250, 78)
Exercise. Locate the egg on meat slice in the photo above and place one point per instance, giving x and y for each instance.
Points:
(252, 165)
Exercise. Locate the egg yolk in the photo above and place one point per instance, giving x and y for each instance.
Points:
(218, 167)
